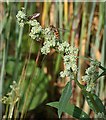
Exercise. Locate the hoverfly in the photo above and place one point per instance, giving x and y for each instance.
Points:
(56, 31)
(35, 15)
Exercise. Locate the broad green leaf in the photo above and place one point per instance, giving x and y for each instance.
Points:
(72, 110)
(99, 103)
(94, 102)
(66, 94)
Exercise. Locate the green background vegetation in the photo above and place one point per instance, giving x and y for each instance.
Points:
(20, 58)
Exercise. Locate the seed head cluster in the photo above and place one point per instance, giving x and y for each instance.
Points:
(36, 30)
(91, 75)
(13, 96)
(21, 18)
(101, 116)
(49, 41)
(69, 58)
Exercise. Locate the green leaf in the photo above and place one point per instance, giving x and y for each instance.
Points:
(66, 94)
(94, 102)
(99, 103)
(102, 74)
(72, 110)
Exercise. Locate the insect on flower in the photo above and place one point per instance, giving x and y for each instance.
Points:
(56, 31)
(35, 15)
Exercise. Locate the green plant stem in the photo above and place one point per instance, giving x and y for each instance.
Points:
(58, 61)
(83, 89)
(60, 18)
(2, 77)
(75, 21)
(6, 111)
(83, 32)
(11, 109)
(26, 95)
(15, 74)
(16, 110)
(103, 54)
(101, 8)
(5, 54)
(103, 68)
(89, 26)
(72, 38)
(92, 100)
(2, 71)
(18, 50)
(77, 82)
(102, 74)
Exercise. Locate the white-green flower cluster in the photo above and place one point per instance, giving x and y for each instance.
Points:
(70, 57)
(49, 41)
(91, 75)
(13, 96)
(101, 115)
(95, 63)
(67, 49)
(21, 18)
(36, 30)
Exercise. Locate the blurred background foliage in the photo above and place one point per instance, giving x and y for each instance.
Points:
(38, 75)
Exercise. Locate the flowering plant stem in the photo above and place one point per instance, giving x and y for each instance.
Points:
(85, 92)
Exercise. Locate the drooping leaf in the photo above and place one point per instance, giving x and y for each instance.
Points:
(99, 103)
(66, 94)
(72, 110)
(94, 102)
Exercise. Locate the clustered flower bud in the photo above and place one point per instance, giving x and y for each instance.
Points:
(101, 116)
(36, 30)
(91, 75)
(49, 41)
(21, 18)
(69, 58)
